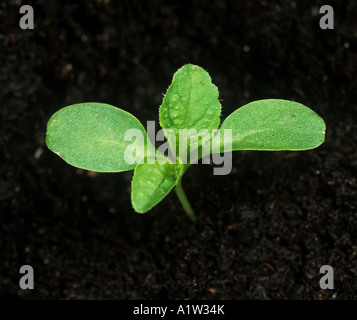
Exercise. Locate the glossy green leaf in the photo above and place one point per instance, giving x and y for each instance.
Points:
(273, 125)
(92, 136)
(151, 183)
(191, 102)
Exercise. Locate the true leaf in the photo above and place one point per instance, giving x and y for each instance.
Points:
(273, 125)
(91, 136)
(191, 102)
(151, 183)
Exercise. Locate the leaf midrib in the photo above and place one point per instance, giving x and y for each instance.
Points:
(189, 100)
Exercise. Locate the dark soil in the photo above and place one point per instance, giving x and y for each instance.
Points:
(263, 232)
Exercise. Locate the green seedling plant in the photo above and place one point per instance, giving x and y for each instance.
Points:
(93, 136)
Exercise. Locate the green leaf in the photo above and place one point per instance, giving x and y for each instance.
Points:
(91, 136)
(151, 183)
(191, 102)
(273, 125)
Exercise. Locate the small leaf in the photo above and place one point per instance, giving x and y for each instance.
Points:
(151, 183)
(273, 125)
(91, 136)
(191, 102)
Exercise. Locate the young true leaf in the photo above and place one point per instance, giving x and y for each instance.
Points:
(92, 136)
(191, 102)
(151, 183)
(273, 125)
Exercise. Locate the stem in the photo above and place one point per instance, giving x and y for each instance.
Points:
(183, 199)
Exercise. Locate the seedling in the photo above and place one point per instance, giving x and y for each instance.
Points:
(94, 136)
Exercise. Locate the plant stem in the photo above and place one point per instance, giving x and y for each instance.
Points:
(183, 199)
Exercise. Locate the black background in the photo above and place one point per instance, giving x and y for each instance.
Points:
(263, 232)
